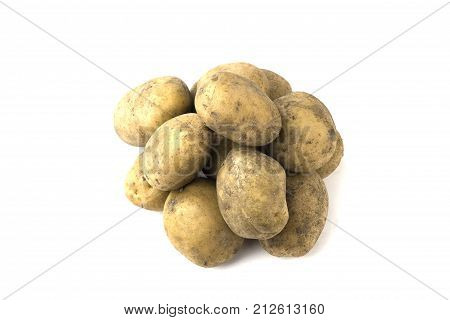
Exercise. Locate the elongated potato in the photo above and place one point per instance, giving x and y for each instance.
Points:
(307, 201)
(308, 138)
(245, 70)
(195, 227)
(251, 190)
(235, 108)
(335, 160)
(142, 110)
(278, 86)
(139, 192)
(176, 152)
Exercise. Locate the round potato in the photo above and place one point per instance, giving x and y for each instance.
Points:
(251, 189)
(176, 152)
(195, 227)
(308, 138)
(307, 200)
(245, 70)
(235, 108)
(333, 163)
(139, 192)
(142, 110)
(278, 86)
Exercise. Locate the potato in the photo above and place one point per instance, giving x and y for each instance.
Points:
(142, 110)
(195, 227)
(235, 108)
(307, 200)
(176, 152)
(251, 190)
(308, 138)
(245, 70)
(333, 163)
(278, 86)
(139, 192)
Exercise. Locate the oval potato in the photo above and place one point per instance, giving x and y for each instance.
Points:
(176, 152)
(307, 201)
(278, 86)
(195, 227)
(142, 110)
(139, 192)
(251, 190)
(235, 108)
(245, 70)
(308, 138)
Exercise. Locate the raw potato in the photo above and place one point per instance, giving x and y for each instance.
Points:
(331, 165)
(176, 152)
(308, 138)
(278, 86)
(139, 192)
(235, 108)
(142, 110)
(251, 190)
(307, 200)
(245, 70)
(195, 227)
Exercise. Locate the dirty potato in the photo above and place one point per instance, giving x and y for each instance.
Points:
(195, 227)
(235, 108)
(278, 86)
(307, 201)
(176, 152)
(308, 138)
(251, 189)
(245, 70)
(142, 110)
(139, 192)
(333, 163)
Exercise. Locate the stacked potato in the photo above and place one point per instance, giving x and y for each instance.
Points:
(239, 156)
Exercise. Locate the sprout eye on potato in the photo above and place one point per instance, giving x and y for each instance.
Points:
(263, 149)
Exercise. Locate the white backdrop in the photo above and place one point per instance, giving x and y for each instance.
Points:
(62, 166)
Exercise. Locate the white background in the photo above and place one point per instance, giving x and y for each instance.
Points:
(62, 166)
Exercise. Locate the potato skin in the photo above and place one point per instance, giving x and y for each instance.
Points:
(139, 192)
(235, 108)
(176, 152)
(307, 200)
(195, 227)
(308, 138)
(220, 147)
(278, 86)
(245, 70)
(251, 190)
(142, 110)
(335, 160)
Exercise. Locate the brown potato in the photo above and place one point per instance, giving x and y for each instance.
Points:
(278, 86)
(307, 201)
(142, 110)
(139, 192)
(176, 152)
(235, 108)
(251, 190)
(245, 70)
(308, 138)
(333, 163)
(195, 227)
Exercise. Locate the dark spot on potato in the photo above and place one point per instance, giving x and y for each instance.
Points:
(214, 77)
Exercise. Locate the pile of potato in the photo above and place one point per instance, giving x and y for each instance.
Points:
(239, 156)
